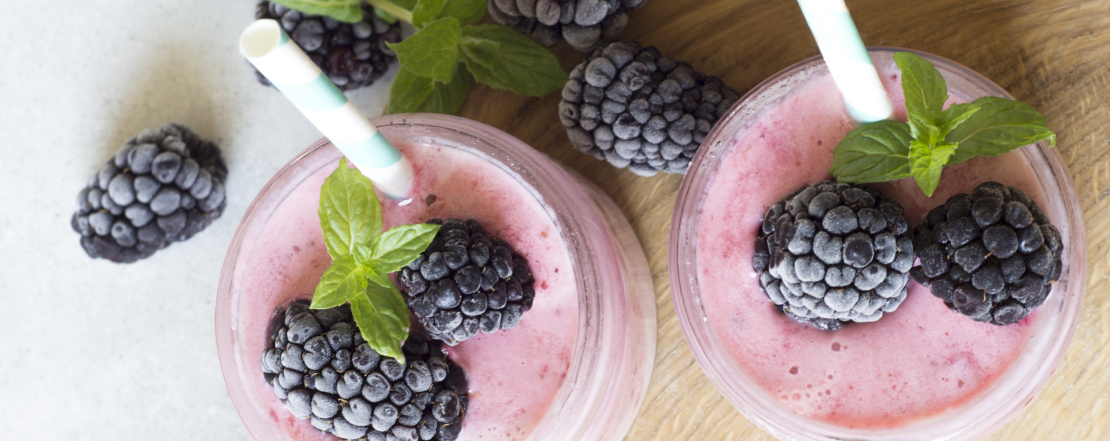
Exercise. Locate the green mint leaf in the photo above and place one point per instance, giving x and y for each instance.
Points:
(411, 93)
(476, 50)
(383, 319)
(426, 11)
(924, 127)
(467, 11)
(956, 115)
(924, 88)
(364, 258)
(398, 246)
(516, 62)
(385, 16)
(393, 10)
(433, 51)
(348, 11)
(926, 163)
(874, 152)
(349, 210)
(363, 255)
(342, 282)
(934, 137)
(925, 93)
(376, 273)
(999, 126)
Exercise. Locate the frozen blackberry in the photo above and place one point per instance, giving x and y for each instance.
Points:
(582, 23)
(353, 55)
(163, 186)
(322, 369)
(635, 108)
(991, 255)
(465, 282)
(834, 253)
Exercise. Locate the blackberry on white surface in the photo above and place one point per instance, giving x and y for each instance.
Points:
(163, 186)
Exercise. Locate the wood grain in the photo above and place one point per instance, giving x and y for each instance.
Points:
(1053, 54)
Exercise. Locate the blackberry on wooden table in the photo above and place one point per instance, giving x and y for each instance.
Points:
(635, 108)
(582, 23)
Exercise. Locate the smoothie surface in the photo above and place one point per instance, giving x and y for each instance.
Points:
(513, 376)
(913, 363)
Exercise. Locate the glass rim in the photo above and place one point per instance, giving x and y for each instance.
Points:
(722, 370)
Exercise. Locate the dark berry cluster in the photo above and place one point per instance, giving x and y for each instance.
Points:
(353, 55)
(635, 108)
(582, 23)
(992, 255)
(465, 282)
(833, 253)
(319, 365)
(163, 186)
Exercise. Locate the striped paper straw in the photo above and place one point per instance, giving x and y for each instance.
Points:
(287, 67)
(847, 59)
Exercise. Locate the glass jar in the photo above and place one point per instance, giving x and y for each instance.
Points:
(613, 352)
(1052, 325)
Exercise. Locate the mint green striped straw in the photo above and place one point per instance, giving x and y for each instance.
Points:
(847, 58)
(287, 67)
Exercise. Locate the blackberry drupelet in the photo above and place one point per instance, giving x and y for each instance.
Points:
(163, 186)
(635, 108)
(991, 255)
(352, 55)
(465, 282)
(834, 253)
(322, 369)
(582, 23)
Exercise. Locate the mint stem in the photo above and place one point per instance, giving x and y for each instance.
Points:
(390, 8)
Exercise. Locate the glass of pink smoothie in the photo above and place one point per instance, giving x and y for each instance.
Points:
(578, 364)
(920, 373)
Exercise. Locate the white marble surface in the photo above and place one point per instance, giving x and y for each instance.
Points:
(89, 349)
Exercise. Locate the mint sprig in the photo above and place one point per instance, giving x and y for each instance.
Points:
(447, 52)
(506, 59)
(433, 51)
(362, 258)
(934, 137)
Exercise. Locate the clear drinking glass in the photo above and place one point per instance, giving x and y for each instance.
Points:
(615, 346)
(1054, 323)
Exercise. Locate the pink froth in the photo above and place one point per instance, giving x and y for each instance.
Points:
(913, 363)
(514, 375)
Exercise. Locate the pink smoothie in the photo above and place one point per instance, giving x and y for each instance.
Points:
(513, 375)
(914, 363)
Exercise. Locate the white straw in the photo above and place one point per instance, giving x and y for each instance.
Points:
(847, 58)
(287, 67)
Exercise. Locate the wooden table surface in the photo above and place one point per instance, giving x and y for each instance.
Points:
(1052, 54)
